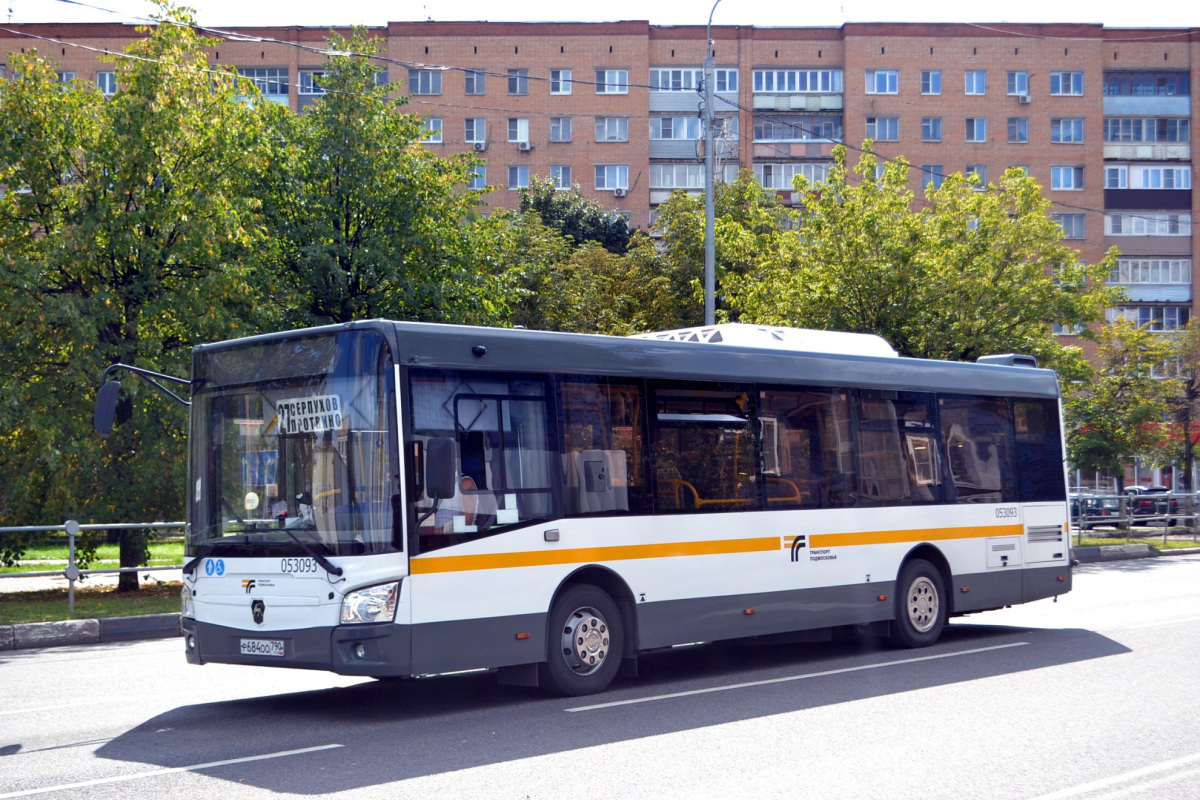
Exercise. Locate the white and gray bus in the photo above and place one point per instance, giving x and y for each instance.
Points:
(401, 499)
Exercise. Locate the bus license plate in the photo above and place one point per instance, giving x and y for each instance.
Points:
(262, 647)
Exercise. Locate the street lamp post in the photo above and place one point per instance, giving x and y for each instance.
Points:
(710, 250)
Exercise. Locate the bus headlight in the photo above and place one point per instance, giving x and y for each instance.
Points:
(187, 606)
(373, 604)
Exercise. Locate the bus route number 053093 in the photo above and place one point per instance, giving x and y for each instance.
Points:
(1008, 512)
(298, 565)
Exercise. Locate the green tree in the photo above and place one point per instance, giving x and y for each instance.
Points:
(1114, 406)
(579, 219)
(1181, 395)
(974, 270)
(129, 232)
(368, 222)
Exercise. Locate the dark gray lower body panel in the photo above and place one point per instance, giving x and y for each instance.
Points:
(1005, 587)
(713, 619)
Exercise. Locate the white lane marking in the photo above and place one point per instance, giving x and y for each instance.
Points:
(38, 709)
(1124, 777)
(806, 676)
(152, 773)
(1144, 786)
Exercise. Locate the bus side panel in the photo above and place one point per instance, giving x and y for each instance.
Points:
(672, 622)
(980, 591)
(1045, 582)
(453, 645)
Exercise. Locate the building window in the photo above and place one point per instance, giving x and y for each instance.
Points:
(560, 81)
(883, 129)
(518, 81)
(612, 176)
(310, 81)
(797, 128)
(675, 128)
(612, 129)
(518, 177)
(1152, 270)
(931, 129)
(560, 129)
(1018, 130)
(1116, 177)
(1146, 84)
(676, 176)
(431, 130)
(798, 81)
(883, 81)
(1066, 178)
(475, 82)
(425, 81)
(478, 178)
(1018, 83)
(106, 82)
(780, 176)
(1148, 223)
(612, 81)
(1072, 225)
(1154, 318)
(1065, 131)
(561, 176)
(271, 83)
(932, 175)
(976, 129)
(518, 129)
(1022, 168)
(1066, 83)
(975, 81)
(980, 170)
(691, 80)
(726, 80)
(931, 81)
(476, 130)
(1124, 129)
(1165, 178)
(65, 77)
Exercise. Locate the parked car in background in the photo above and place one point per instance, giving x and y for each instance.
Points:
(1089, 512)
(1153, 501)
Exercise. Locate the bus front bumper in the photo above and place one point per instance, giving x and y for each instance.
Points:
(372, 650)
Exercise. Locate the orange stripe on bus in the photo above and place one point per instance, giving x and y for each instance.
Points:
(424, 565)
(818, 540)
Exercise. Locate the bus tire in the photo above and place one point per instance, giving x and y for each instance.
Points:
(921, 605)
(585, 643)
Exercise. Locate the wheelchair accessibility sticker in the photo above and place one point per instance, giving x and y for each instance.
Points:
(214, 566)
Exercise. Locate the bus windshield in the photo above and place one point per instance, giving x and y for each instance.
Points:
(293, 448)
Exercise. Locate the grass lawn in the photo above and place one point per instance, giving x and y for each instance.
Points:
(50, 605)
(1153, 541)
(162, 554)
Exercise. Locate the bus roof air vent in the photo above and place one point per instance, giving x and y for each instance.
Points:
(1009, 360)
(777, 338)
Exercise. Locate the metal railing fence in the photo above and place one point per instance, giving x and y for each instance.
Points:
(1139, 514)
(72, 572)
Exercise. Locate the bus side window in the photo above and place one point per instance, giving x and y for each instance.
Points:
(1039, 451)
(808, 459)
(977, 435)
(603, 450)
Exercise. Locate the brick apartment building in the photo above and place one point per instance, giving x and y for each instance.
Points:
(1101, 117)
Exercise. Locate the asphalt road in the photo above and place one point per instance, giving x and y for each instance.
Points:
(1090, 697)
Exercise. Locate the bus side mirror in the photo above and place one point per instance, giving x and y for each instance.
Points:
(440, 468)
(106, 408)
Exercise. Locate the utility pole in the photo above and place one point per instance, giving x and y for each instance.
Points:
(710, 248)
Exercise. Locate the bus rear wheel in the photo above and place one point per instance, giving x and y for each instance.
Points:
(585, 643)
(921, 606)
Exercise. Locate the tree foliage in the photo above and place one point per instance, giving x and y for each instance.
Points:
(575, 217)
(369, 223)
(972, 270)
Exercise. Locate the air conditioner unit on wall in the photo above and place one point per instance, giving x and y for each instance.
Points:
(620, 192)
(1024, 99)
(522, 145)
(479, 147)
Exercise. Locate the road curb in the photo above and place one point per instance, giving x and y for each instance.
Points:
(88, 631)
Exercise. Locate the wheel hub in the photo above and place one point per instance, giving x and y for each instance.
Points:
(922, 605)
(585, 641)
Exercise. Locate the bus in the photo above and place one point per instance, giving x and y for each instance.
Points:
(396, 499)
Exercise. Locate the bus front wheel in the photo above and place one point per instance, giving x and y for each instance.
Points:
(921, 605)
(585, 643)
